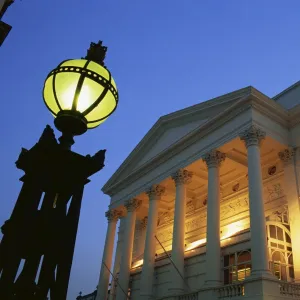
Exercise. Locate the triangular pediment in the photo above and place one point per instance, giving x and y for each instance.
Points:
(169, 135)
(170, 129)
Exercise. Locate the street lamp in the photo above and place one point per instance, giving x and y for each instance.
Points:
(37, 247)
(81, 93)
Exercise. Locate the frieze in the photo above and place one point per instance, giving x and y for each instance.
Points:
(193, 224)
(228, 209)
(235, 206)
(164, 218)
(190, 207)
(274, 191)
(165, 235)
(280, 215)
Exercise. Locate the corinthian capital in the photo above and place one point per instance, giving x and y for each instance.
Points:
(132, 204)
(155, 192)
(214, 158)
(252, 136)
(113, 215)
(182, 177)
(287, 155)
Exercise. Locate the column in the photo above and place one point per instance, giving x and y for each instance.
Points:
(181, 179)
(117, 260)
(146, 284)
(112, 218)
(252, 138)
(288, 156)
(213, 160)
(141, 237)
(122, 289)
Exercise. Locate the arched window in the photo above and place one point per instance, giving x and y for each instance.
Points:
(280, 250)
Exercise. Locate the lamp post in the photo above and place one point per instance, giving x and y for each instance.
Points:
(37, 247)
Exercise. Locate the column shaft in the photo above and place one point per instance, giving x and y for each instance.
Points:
(213, 160)
(259, 255)
(102, 290)
(117, 259)
(149, 255)
(141, 226)
(181, 178)
(126, 260)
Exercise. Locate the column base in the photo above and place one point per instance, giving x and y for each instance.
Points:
(258, 288)
(261, 274)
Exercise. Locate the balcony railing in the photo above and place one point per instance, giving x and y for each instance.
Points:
(192, 296)
(290, 289)
(231, 290)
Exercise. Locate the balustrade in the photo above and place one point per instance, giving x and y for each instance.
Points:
(290, 289)
(192, 296)
(231, 290)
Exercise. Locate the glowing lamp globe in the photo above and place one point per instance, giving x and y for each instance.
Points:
(81, 93)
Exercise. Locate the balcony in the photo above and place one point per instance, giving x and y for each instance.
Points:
(252, 289)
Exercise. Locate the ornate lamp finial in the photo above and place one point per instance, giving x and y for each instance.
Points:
(97, 53)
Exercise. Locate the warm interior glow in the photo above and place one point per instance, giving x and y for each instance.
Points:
(137, 263)
(229, 231)
(195, 244)
(232, 229)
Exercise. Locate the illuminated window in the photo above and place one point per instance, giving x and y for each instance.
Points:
(237, 266)
(280, 250)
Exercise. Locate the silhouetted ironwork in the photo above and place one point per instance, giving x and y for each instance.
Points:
(5, 6)
(4, 31)
(4, 27)
(37, 247)
(97, 53)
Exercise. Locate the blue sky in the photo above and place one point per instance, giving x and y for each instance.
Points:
(164, 55)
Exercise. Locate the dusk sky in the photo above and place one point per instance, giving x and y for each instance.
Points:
(164, 55)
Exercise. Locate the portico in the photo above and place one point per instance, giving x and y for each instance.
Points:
(209, 192)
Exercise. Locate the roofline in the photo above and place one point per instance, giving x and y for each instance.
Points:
(275, 98)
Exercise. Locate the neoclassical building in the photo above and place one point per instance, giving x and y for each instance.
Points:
(208, 204)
